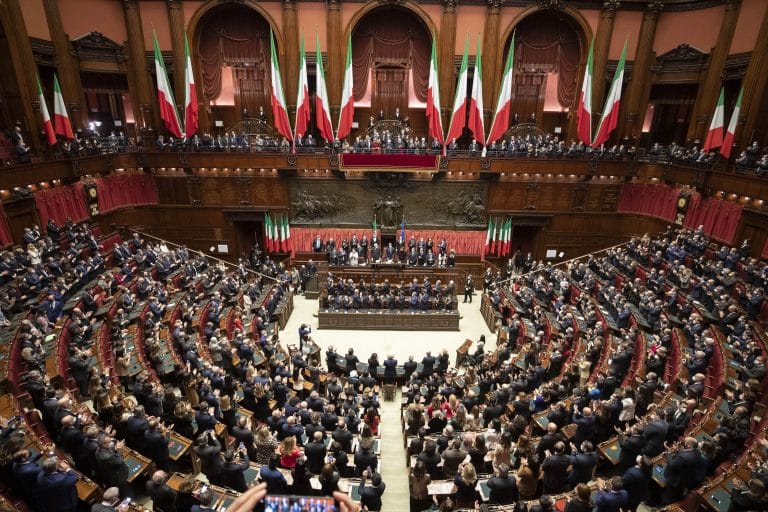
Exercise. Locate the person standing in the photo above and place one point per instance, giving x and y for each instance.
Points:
(469, 289)
(56, 486)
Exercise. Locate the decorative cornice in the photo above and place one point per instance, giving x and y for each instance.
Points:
(174, 4)
(551, 4)
(681, 58)
(494, 5)
(655, 6)
(611, 5)
(333, 5)
(450, 5)
(96, 46)
(391, 2)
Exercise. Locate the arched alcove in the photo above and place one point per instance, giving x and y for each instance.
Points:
(550, 49)
(390, 58)
(232, 56)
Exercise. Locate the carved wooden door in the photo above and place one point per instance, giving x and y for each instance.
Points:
(529, 89)
(390, 91)
(250, 88)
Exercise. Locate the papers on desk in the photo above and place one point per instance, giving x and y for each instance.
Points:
(440, 488)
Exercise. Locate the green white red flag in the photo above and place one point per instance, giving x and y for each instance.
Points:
(504, 103)
(459, 112)
(610, 118)
(302, 96)
(584, 113)
(191, 108)
(476, 123)
(725, 150)
(168, 112)
(322, 106)
(488, 238)
(50, 135)
(434, 121)
(268, 233)
(347, 110)
(715, 133)
(61, 123)
(279, 109)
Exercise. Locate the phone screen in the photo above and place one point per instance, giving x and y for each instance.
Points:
(299, 504)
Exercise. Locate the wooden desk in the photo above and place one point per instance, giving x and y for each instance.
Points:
(178, 446)
(388, 320)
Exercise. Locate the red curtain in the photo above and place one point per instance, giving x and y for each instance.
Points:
(718, 217)
(649, 199)
(391, 36)
(469, 243)
(118, 190)
(6, 237)
(61, 204)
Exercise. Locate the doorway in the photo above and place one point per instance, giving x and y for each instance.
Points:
(525, 239)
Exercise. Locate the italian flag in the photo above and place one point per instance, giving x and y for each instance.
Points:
(610, 118)
(433, 98)
(279, 110)
(584, 114)
(501, 248)
(283, 247)
(725, 150)
(715, 133)
(460, 100)
(287, 244)
(164, 94)
(269, 234)
(488, 238)
(504, 103)
(476, 100)
(302, 96)
(61, 123)
(191, 109)
(493, 236)
(47, 125)
(508, 238)
(322, 107)
(375, 230)
(347, 111)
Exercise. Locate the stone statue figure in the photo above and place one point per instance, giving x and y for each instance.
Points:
(388, 211)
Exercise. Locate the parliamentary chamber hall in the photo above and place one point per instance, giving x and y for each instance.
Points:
(384, 255)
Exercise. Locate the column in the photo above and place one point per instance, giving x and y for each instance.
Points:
(68, 69)
(25, 71)
(290, 52)
(491, 48)
(603, 38)
(336, 49)
(144, 112)
(447, 50)
(754, 84)
(709, 87)
(638, 90)
(176, 25)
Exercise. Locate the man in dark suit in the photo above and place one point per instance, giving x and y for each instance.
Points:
(233, 468)
(243, 434)
(204, 419)
(156, 444)
(25, 471)
(583, 463)
(163, 497)
(503, 487)
(549, 440)
(681, 471)
(631, 445)
(108, 501)
(111, 469)
(555, 469)
(654, 435)
(585, 424)
(636, 482)
(428, 364)
(365, 458)
(612, 498)
(206, 502)
(390, 369)
(136, 427)
(56, 486)
(276, 483)
(207, 448)
(678, 421)
(315, 452)
(343, 436)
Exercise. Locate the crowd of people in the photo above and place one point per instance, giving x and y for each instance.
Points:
(416, 296)
(364, 251)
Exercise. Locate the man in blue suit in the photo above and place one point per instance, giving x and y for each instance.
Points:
(56, 486)
(612, 498)
(25, 471)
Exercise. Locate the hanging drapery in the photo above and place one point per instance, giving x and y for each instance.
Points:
(391, 36)
(649, 199)
(469, 243)
(6, 237)
(719, 218)
(231, 35)
(118, 190)
(547, 42)
(61, 204)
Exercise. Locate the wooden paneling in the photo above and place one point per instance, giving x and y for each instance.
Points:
(552, 197)
(223, 191)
